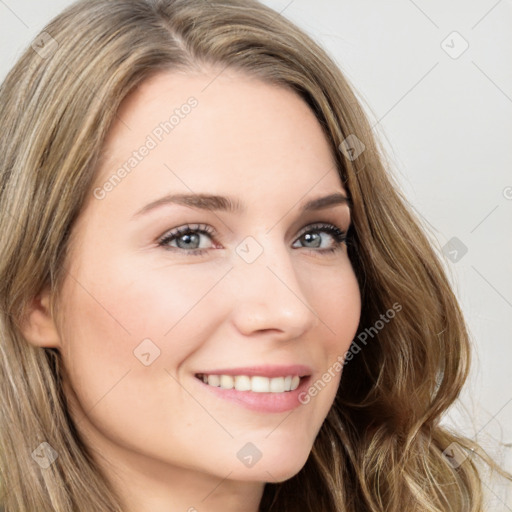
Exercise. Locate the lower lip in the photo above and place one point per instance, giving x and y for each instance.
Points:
(261, 402)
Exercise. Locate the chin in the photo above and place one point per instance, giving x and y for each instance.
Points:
(274, 471)
(282, 476)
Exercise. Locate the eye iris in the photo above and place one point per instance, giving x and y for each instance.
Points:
(312, 237)
(187, 238)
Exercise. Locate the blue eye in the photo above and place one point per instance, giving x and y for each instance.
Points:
(188, 238)
(311, 235)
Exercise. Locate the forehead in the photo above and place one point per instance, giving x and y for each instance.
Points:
(229, 106)
(222, 133)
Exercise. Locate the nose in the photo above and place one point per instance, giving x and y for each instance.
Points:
(269, 293)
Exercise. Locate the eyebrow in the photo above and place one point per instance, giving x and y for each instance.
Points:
(211, 202)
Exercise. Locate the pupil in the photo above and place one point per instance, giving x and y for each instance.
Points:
(310, 237)
(187, 239)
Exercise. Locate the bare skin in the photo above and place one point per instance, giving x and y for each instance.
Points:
(163, 439)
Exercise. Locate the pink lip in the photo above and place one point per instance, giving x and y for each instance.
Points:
(263, 370)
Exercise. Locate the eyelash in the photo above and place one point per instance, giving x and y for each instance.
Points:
(339, 236)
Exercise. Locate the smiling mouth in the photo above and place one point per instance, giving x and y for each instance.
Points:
(255, 383)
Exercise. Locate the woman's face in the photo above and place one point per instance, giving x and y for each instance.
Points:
(139, 320)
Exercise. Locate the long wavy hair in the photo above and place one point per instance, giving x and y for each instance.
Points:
(381, 446)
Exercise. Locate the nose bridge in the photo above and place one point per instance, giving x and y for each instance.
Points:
(269, 293)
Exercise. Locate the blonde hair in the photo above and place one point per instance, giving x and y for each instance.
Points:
(381, 445)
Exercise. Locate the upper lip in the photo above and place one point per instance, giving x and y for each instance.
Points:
(263, 370)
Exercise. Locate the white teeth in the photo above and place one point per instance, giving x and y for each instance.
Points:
(242, 383)
(277, 385)
(256, 384)
(214, 380)
(260, 384)
(226, 382)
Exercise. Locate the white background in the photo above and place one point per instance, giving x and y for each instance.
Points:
(447, 126)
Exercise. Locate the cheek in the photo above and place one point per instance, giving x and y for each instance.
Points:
(126, 303)
(109, 333)
(337, 303)
(340, 307)
(118, 318)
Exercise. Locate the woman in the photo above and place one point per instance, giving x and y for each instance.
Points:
(300, 360)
